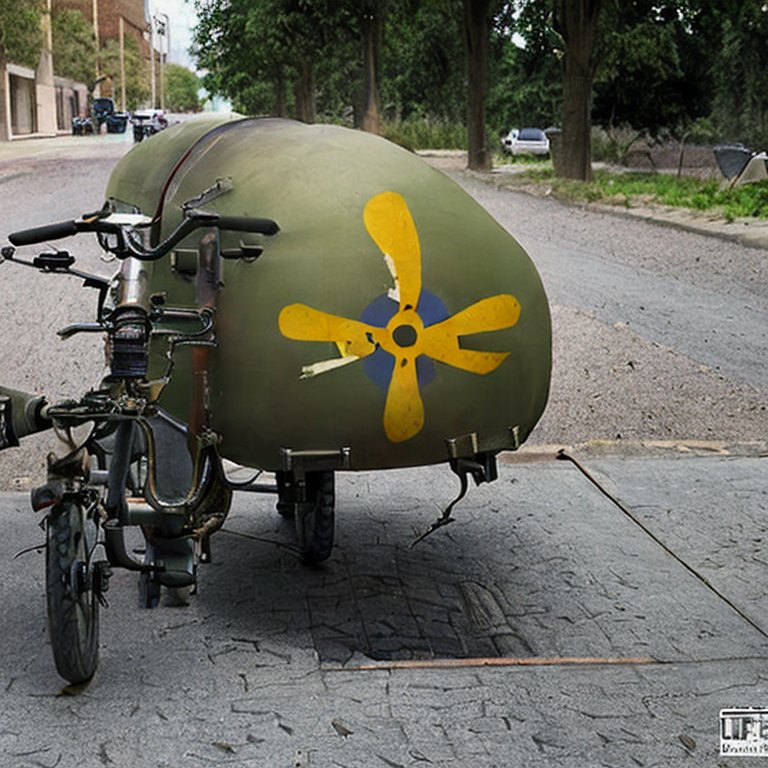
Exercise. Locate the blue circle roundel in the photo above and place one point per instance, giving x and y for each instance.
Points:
(379, 365)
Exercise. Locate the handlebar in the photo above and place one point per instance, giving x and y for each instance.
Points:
(243, 224)
(43, 234)
(119, 224)
(59, 230)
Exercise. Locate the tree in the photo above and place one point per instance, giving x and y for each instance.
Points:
(422, 55)
(257, 51)
(477, 32)
(576, 23)
(651, 76)
(181, 87)
(137, 88)
(478, 19)
(21, 35)
(526, 79)
(740, 71)
(239, 50)
(74, 46)
(21, 40)
(325, 54)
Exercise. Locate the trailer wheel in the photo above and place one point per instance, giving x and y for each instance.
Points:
(315, 518)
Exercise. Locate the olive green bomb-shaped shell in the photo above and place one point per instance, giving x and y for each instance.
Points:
(391, 316)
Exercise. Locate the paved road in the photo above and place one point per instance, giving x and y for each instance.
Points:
(659, 333)
(61, 179)
(541, 582)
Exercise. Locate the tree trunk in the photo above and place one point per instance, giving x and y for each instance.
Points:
(477, 33)
(576, 157)
(305, 92)
(371, 27)
(576, 21)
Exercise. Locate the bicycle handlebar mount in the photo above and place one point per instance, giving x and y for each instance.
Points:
(119, 224)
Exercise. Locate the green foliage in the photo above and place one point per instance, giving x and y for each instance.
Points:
(632, 189)
(263, 54)
(181, 86)
(526, 79)
(519, 99)
(641, 80)
(425, 132)
(74, 46)
(422, 67)
(137, 87)
(694, 69)
(741, 77)
(21, 36)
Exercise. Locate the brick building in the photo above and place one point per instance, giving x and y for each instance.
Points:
(108, 13)
(35, 102)
(113, 19)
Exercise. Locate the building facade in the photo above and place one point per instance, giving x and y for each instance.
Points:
(35, 102)
(106, 16)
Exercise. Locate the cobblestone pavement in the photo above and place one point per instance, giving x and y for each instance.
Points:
(488, 644)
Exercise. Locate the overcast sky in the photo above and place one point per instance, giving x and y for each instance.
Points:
(181, 14)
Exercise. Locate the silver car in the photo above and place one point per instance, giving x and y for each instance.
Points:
(526, 141)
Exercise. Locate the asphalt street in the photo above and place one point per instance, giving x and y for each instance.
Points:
(559, 621)
(659, 331)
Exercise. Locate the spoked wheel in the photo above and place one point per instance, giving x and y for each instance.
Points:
(73, 583)
(315, 518)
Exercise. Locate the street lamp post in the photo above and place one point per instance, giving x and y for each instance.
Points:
(163, 30)
(97, 42)
(152, 61)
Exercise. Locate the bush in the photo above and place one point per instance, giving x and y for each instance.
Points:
(749, 200)
(425, 133)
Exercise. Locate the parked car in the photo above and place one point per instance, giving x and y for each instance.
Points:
(148, 122)
(103, 112)
(526, 141)
(117, 122)
(101, 109)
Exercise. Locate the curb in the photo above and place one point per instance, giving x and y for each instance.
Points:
(671, 449)
(677, 218)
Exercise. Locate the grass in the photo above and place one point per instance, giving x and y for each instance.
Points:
(425, 133)
(632, 189)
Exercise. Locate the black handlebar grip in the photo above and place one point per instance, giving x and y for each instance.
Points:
(243, 224)
(43, 234)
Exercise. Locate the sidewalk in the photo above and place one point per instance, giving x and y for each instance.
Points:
(746, 231)
(65, 146)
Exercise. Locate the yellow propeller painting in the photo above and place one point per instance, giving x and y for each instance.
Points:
(405, 337)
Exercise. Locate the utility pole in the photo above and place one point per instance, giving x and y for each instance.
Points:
(95, 11)
(121, 25)
(164, 31)
(152, 59)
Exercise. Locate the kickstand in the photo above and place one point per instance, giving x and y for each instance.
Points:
(462, 468)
